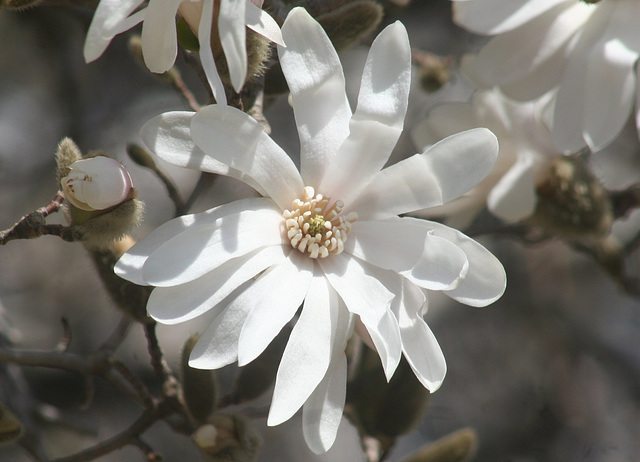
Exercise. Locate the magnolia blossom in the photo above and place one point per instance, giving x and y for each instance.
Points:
(327, 237)
(159, 39)
(588, 51)
(525, 151)
(96, 183)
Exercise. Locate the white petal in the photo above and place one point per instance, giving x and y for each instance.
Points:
(239, 141)
(206, 54)
(514, 198)
(218, 345)
(233, 38)
(261, 22)
(527, 46)
(493, 17)
(367, 297)
(106, 23)
(173, 305)
(444, 120)
(377, 122)
(322, 412)
(485, 281)
(314, 76)
(274, 308)
(418, 342)
(169, 137)
(130, 265)
(203, 247)
(308, 352)
(609, 90)
(159, 38)
(442, 265)
(445, 171)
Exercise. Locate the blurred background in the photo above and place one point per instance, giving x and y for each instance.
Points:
(551, 372)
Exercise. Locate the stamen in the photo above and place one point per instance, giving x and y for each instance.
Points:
(315, 226)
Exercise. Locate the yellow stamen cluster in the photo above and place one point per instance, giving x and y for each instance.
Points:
(315, 226)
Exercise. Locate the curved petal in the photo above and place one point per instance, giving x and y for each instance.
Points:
(206, 54)
(271, 312)
(236, 139)
(107, 23)
(168, 136)
(322, 412)
(261, 22)
(485, 281)
(202, 248)
(159, 37)
(307, 355)
(609, 90)
(514, 198)
(130, 265)
(233, 39)
(218, 345)
(528, 46)
(445, 171)
(377, 122)
(173, 305)
(316, 82)
(493, 17)
(419, 345)
(366, 296)
(444, 120)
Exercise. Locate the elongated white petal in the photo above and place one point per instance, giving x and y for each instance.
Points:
(445, 171)
(168, 135)
(497, 16)
(106, 23)
(159, 37)
(611, 66)
(527, 46)
(274, 309)
(202, 248)
(173, 305)
(377, 122)
(236, 139)
(366, 296)
(485, 281)
(442, 265)
(316, 82)
(514, 196)
(322, 412)
(130, 265)
(420, 347)
(261, 22)
(307, 355)
(233, 39)
(206, 54)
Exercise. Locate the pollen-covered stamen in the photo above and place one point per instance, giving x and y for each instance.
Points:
(316, 226)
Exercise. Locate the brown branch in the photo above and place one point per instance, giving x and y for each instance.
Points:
(33, 225)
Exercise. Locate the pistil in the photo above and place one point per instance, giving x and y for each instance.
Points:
(315, 226)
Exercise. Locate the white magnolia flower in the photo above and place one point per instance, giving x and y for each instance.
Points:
(525, 151)
(159, 39)
(588, 51)
(97, 183)
(327, 237)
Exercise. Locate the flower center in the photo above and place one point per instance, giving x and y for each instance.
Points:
(316, 226)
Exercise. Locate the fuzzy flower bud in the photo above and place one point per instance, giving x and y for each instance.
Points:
(97, 183)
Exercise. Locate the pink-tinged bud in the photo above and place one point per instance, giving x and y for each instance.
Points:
(97, 183)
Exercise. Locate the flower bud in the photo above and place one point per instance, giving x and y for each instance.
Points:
(228, 437)
(10, 426)
(97, 183)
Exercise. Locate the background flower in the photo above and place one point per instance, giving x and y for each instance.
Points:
(260, 253)
(587, 51)
(159, 39)
(525, 150)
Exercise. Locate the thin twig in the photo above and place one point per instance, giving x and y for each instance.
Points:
(33, 224)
